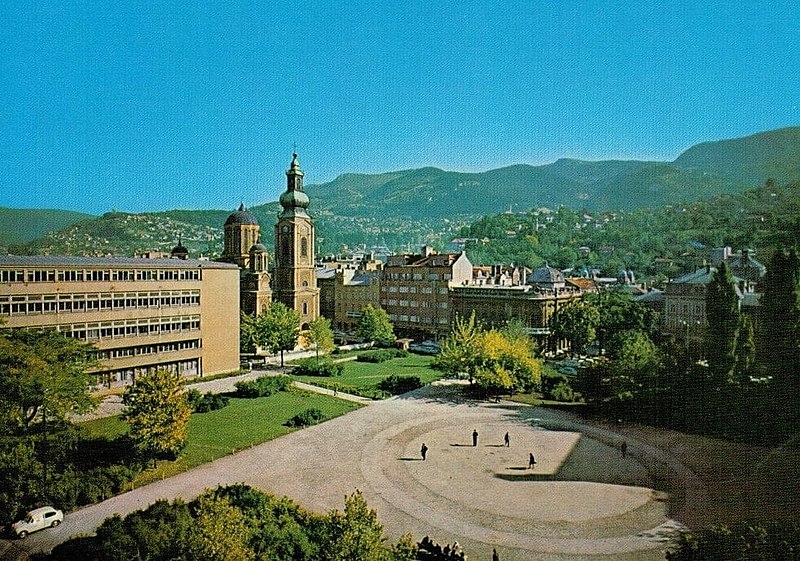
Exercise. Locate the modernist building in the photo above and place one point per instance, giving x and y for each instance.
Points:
(294, 278)
(140, 314)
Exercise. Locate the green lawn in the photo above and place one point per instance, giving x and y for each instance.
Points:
(366, 375)
(241, 424)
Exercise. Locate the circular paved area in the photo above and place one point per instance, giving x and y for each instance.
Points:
(582, 500)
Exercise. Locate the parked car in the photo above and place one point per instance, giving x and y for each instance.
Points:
(37, 519)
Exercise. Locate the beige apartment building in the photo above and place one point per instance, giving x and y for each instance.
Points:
(140, 314)
(415, 290)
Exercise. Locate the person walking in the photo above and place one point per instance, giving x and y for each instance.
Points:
(624, 448)
(475, 437)
(495, 557)
(423, 451)
(507, 440)
(531, 461)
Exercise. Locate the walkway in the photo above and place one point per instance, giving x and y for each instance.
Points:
(583, 500)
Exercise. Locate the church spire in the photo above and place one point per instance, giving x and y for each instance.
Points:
(294, 201)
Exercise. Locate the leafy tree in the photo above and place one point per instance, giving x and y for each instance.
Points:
(248, 339)
(374, 325)
(158, 411)
(43, 376)
(618, 313)
(220, 532)
(576, 323)
(320, 335)
(457, 353)
(277, 329)
(356, 534)
(723, 318)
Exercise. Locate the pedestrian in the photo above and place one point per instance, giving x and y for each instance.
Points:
(475, 437)
(507, 440)
(623, 448)
(495, 557)
(423, 451)
(531, 461)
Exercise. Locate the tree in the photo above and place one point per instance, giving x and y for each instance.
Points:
(43, 376)
(618, 313)
(458, 353)
(374, 325)
(356, 534)
(576, 323)
(248, 338)
(278, 328)
(723, 319)
(746, 350)
(220, 532)
(158, 411)
(320, 335)
(779, 339)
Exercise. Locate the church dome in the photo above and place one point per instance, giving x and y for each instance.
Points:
(294, 199)
(241, 216)
(258, 248)
(546, 275)
(179, 251)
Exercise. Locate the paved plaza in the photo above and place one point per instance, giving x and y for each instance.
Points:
(582, 499)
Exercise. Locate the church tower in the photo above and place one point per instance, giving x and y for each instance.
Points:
(294, 279)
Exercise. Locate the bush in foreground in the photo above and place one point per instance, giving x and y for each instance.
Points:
(238, 522)
(306, 418)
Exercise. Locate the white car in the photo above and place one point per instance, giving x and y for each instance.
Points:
(37, 519)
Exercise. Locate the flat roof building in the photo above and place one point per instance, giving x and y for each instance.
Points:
(140, 314)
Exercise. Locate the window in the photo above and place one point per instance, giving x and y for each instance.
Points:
(303, 247)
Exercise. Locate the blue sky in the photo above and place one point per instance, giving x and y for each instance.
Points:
(156, 105)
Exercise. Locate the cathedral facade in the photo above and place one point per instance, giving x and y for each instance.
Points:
(293, 279)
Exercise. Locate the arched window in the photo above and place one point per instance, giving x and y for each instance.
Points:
(303, 247)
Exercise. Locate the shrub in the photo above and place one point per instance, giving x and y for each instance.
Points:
(306, 418)
(264, 386)
(203, 403)
(395, 384)
(310, 367)
(381, 355)
(562, 391)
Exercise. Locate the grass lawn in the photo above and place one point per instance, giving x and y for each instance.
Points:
(367, 375)
(241, 424)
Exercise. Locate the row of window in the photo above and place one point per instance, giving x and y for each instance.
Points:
(413, 303)
(97, 275)
(413, 289)
(418, 276)
(139, 350)
(130, 328)
(183, 368)
(417, 319)
(52, 303)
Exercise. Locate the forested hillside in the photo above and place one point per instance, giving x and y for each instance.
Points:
(656, 243)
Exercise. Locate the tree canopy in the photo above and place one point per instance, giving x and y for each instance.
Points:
(157, 411)
(277, 329)
(375, 325)
(320, 335)
(43, 372)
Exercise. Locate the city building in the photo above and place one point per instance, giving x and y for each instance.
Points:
(532, 303)
(294, 275)
(140, 314)
(415, 290)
